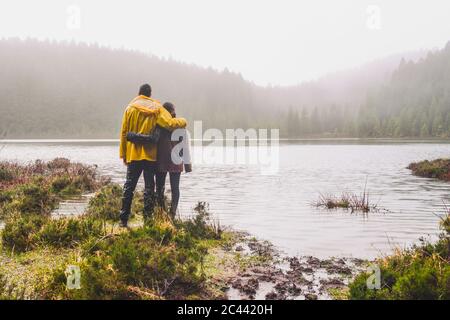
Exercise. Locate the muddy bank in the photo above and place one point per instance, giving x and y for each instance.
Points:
(254, 269)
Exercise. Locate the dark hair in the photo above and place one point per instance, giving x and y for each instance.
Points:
(145, 90)
(169, 106)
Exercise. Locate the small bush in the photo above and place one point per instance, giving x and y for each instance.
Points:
(85, 178)
(6, 174)
(201, 225)
(19, 233)
(107, 203)
(64, 186)
(24, 233)
(5, 196)
(59, 183)
(420, 273)
(33, 198)
(68, 232)
(59, 163)
(422, 279)
(145, 263)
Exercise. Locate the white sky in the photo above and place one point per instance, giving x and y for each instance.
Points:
(269, 42)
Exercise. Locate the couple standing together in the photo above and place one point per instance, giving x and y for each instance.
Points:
(146, 146)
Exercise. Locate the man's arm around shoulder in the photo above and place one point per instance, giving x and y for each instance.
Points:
(166, 121)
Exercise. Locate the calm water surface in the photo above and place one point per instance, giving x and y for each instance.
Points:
(278, 208)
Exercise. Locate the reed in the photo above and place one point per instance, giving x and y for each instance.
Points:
(348, 201)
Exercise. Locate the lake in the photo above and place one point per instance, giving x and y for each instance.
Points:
(279, 207)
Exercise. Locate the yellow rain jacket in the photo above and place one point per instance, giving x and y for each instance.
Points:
(141, 116)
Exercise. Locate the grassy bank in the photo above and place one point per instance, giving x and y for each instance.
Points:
(160, 259)
(421, 272)
(439, 169)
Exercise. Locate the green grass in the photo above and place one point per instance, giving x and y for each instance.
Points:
(107, 203)
(37, 188)
(419, 273)
(160, 259)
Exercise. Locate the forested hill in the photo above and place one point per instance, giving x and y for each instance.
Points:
(415, 103)
(67, 90)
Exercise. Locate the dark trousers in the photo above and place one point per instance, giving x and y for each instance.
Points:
(174, 187)
(134, 170)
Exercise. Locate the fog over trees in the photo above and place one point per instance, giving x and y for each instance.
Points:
(68, 90)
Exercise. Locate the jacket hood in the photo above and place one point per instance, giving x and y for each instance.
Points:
(145, 105)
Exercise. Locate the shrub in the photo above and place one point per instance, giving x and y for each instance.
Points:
(6, 174)
(85, 177)
(19, 233)
(422, 272)
(33, 198)
(421, 279)
(59, 163)
(5, 196)
(145, 263)
(62, 176)
(68, 232)
(201, 225)
(64, 186)
(107, 203)
(24, 233)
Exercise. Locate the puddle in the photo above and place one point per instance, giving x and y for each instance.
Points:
(73, 206)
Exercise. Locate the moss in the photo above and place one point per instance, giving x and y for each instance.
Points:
(339, 293)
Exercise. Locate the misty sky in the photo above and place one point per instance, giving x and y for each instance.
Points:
(270, 42)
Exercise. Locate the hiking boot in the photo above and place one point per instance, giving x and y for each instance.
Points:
(149, 203)
(123, 224)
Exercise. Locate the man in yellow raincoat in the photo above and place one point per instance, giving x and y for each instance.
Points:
(141, 116)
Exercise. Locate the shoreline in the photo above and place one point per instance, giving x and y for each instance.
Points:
(282, 140)
(235, 264)
(194, 258)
